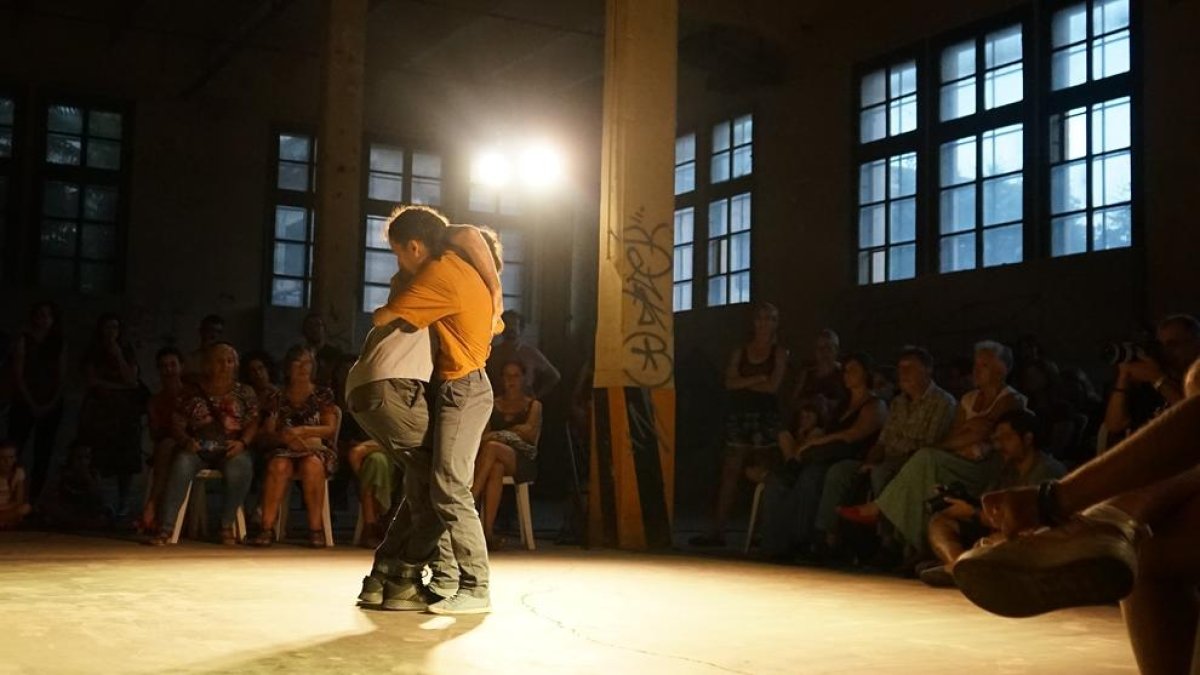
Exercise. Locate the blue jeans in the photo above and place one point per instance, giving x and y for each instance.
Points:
(236, 473)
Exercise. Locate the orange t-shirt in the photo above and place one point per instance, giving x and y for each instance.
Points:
(450, 295)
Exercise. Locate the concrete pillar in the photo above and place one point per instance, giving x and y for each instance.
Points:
(338, 248)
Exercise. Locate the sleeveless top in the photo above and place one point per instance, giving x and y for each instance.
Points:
(969, 398)
(502, 421)
(848, 419)
(746, 401)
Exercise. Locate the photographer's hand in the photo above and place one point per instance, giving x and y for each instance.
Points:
(1142, 370)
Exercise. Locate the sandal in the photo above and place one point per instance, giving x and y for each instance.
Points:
(316, 538)
(160, 539)
(264, 538)
(228, 537)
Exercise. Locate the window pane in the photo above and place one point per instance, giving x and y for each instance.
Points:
(902, 262)
(958, 61)
(739, 213)
(5, 142)
(720, 167)
(483, 199)
(739, 287)
(871, 182)
(97, 277)
(958, 161)
(902, 115)
(375, 297)
(291, 223)
(1070, 25)
(64, 118)
(902, 174)
(873, 124)
(683, 256)
(293, 176)
(874, 89)
(1003, 86)
(1003, 150)
(739, 252)
(6, 111)
(63, 149)
(903, 220)
(379, 267)
(1111, 228)
(685, 178)
(864, 268)
(99, 242)
(385, 187)
(903, 79)
(1002, 246)
(1109, 15)
(878, 266)
(743, 130)
(387, 158)
(1110, 125)
(1068, 135)
(1111, 179)
(427, 165)
(957, 99)
(685, 148)
(510, 205)
(58, 237)
(743, 161)
(718, 218)
(716, 291)
(871, 226)
(958, 209)
(513, 279)
(287, 292)
(426, 191)
(1068, 187)
(1002, 47)
(1002, 200)
(958, 253)
(718, 256)
(1068, 235)
(104, 154)
(61, 200)
(1068, 67)
(683, 296)
(1110, 55)
(100, 203)
(376, 232)
(290, 259)
(104, 124)
(720, 136)
(685, 220)
(295, 147)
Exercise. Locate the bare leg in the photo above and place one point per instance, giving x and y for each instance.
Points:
(492, 493)
(359, 452)
(279, 472)
(483, 467)
(160, 464)
(945, 539)
(312, 482)
(731, 473)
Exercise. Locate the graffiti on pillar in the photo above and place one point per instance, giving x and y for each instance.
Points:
(647, 285)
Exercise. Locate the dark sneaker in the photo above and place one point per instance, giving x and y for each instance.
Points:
(462, 603)
(406, 595)
(1088, 561)
(372, 590)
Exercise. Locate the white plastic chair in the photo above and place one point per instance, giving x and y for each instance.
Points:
(758, 492)
(326, 516)
(199, 510)
(524, 512)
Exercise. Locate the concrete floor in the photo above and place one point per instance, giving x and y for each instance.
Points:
(94, 605)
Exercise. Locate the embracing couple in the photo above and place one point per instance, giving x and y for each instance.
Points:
(428, 413)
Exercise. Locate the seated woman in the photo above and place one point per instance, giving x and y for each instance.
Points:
(214, 424)
(14, 497)
(160, 412)
(509, 446)
(793, 493)
(298, 442)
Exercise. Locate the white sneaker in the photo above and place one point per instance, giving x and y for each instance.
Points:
(462, 603)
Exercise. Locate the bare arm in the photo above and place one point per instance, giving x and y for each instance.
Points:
(868, 421)
(771, 385)
(734, 380)
(470, 242)
(531, 428)
(322, 431)
(973, 440)
(1116, 412)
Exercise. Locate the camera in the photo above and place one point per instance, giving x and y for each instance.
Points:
(1125, 352)
(938, 502)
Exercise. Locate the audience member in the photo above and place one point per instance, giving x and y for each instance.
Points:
(14, 495)
(540, 375)
(212, 327)
(508, 446)
(752, 378)
(919, 417)
(213, 426)
(327, 355)
(298, 442)
(75, 498)
(1153, 380)
(963, 456)
(955, 376)
(161, 414)
(957, 527)
(377, 481)
(821, 379)
(110, 418)
(39, 369)
(258, 371)
(793, 493)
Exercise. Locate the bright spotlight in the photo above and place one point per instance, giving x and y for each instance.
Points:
(541, 166)
(492, 169)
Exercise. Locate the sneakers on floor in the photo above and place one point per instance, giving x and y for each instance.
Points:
(372, 590)
(1089, 561)
(462, 603)
(406, 595)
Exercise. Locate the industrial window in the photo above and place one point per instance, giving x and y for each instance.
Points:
(294, 219)
(682, 270)
(685, 164)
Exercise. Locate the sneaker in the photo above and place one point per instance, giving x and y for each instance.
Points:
(372, 590)
(462, 603)
(1089, 561)
(406, 595)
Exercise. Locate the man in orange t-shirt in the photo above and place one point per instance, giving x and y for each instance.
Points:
(448, 294)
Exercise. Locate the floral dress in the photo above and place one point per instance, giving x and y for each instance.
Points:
(215, 420)
(305, 414)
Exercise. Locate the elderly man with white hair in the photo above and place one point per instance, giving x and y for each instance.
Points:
(964, 456)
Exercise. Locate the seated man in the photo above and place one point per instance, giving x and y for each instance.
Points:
(963, 456)
(1097, 547)
(961, 524)
(919, 417)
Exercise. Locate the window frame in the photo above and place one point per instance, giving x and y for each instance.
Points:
(277, 197)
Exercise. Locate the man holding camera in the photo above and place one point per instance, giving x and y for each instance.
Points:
(1153, 380)
(958, 523)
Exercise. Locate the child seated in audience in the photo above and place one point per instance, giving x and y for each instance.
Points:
(807, 426)
(14, 498)
(76, 500)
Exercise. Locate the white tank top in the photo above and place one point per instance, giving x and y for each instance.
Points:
(390, 353)
(968, 402)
